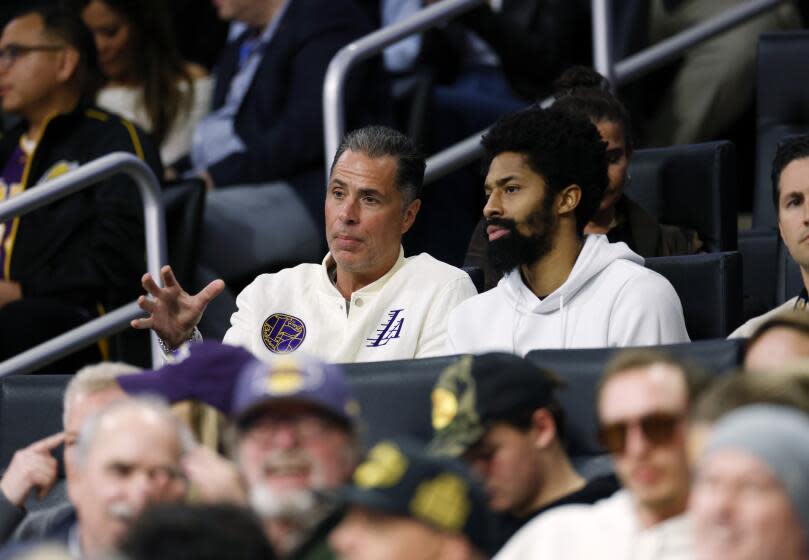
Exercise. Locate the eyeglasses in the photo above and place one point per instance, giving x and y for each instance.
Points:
(657, 429)
(10, 53)
(306, 427)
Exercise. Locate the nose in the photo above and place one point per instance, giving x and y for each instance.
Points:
(285, 435)
(493, 206)
(141, 491)
(636, 443)
(349, 213)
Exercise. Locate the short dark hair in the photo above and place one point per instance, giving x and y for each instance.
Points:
(381, 141)
(522, 419)
(563, 148)
(198, 532)
(60, 18)
(789, 149)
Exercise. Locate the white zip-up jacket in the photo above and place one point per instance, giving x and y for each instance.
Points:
(609, 299)
(402, 315)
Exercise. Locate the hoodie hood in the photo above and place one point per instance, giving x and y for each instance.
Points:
(596, 254)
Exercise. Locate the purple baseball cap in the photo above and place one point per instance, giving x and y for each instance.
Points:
(300, 379)
(204, 371)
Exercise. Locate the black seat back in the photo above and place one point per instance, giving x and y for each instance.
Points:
(782, 108)
(710, 289)
(690, 186)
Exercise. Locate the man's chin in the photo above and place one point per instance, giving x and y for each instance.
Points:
(272, 502)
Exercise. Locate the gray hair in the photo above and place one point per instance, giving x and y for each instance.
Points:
(88, 431)
(94, 379)
(381, 141)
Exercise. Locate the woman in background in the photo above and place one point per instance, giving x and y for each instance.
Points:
(147, 81)
(584, 92)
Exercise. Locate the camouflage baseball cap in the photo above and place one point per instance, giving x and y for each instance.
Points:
(398, 477)
(478, 390)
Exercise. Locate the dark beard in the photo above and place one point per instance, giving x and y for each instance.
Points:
(515, 249)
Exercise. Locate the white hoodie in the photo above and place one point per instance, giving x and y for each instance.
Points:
(609, 299)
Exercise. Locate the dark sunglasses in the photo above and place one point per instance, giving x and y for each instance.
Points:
(657, 429)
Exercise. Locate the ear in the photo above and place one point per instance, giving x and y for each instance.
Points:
(543, 428)
(410, 215)
(568, 199)
(69, 64)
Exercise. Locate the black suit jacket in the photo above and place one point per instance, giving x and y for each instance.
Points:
(281, 117)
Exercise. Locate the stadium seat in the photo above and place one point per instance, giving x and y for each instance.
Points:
(788, 282)
(582, 369)
(692, 186)
(782, 108)
(759, 250)
(31, 409)
(184, 204)
(710, 289)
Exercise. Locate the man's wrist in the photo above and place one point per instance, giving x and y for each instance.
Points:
(195, 336)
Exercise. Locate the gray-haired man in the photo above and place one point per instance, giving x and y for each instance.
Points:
(365, 301)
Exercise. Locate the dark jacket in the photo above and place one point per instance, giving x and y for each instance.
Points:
(535, 41)
(87, 248)
(281, 117)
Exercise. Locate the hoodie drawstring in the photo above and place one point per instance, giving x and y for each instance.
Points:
(564, 318)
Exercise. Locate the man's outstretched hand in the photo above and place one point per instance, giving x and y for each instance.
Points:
(173, 313)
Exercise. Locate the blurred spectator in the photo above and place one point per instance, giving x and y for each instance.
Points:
(495, 57)
(127, 456)
(751, 493)
(146, 79)
(264, 137)
(404, 503)
(781, 339)
(787, 387)
(196, 532)
(188, 18)
(65, 263)
(366, 302)
(642, 405)
(714, 84)
(547, 172)
(790, 195)
(297, 438)
(500, 414)
(582, 91)
(34, 468)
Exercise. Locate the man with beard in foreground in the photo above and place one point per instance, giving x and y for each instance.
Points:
(547, 172)
(296, 440)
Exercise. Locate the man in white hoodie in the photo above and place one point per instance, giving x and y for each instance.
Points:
(547, 172)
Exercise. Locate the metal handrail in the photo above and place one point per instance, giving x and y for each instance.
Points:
(469, 149)
(368, 46)
(72, 182)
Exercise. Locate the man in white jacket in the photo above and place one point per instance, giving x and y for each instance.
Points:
(365, 301)
(546, 176)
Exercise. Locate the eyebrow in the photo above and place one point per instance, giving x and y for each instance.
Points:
(502, 180)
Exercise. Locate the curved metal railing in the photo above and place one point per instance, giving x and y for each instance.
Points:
(118, 320)
(468, 150)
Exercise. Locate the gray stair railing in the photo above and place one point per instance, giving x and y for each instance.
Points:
(468, 150)
(117, 320)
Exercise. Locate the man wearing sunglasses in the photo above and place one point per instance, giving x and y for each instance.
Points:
(62, 264)
(642, 403)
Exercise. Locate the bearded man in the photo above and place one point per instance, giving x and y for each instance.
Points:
(547, 172)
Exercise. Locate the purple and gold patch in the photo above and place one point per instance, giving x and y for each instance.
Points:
(282, 333)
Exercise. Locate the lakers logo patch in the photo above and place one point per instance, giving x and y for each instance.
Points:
(282, 333)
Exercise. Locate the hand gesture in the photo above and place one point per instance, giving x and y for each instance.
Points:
(32, 467)
(173, 313)
(213, 478)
